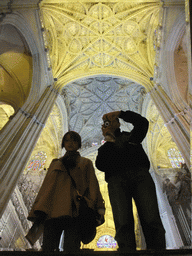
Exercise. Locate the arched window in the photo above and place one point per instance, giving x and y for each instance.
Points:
(175, 157)
(106, 241)
(37, 162)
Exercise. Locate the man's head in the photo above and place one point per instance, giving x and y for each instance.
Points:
(110, 125)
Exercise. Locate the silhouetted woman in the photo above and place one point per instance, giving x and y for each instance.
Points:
(56, 207)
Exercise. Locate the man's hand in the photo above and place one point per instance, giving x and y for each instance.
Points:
(111, 115)
(109, 138)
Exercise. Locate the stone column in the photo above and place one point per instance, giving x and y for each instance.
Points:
(19, 136)
(172, 235)
(18, 140)
(176, 124)
(164, 91)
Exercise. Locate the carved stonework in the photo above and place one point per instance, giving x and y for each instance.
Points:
(19, 210)
(87, 100)
(90, 36)
(109, 44)
(28, 190)
(179, 190)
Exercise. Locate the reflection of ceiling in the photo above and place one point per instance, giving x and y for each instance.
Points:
(87, 100)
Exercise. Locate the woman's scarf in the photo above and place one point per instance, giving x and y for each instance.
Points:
(69, 160)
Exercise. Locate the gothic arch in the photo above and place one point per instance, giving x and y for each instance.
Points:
(34, 112)
(135, 77)
(174, 38)
(20, 24)
(27, 126)
(39, 58)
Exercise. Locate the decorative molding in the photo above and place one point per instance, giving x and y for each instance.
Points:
(103, 37)
(20, 209)
(33, 117)
(182, 113)
(87, 100)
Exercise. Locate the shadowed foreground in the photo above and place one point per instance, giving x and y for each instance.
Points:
(180, 252)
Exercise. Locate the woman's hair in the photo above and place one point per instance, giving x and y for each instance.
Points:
(73, 135)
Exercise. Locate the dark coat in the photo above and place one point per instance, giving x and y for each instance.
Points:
(126, 153)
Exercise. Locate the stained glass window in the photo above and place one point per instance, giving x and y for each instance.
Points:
(106, 241)
(175, 158)
(37, 162)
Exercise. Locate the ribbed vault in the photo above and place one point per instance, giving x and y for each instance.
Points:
(93, 37)
(87, 100)
(102, 56)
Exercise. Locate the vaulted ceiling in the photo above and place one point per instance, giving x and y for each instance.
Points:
(87, 100)
(102, 55)
(106, 37)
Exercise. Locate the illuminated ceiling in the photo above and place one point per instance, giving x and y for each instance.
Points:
(102, 56)
(94, 37)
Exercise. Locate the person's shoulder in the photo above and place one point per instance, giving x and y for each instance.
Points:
(125, 134)
(81, 158)
(106, 145)
(56, 163)
(55, 160)
(85, 159)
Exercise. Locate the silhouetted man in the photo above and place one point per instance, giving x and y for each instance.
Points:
(126, 168)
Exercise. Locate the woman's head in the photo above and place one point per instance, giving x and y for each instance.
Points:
(71, 141)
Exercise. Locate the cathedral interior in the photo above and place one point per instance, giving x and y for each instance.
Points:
(63, 65)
